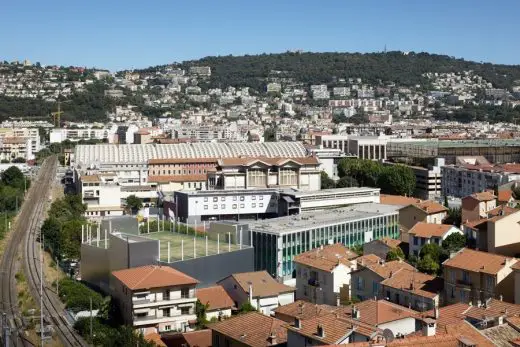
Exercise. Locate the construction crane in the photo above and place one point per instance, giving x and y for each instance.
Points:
(57, 115)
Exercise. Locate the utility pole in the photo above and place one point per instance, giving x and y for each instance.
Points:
(41, 286)
(91, 319)
(57, 115)
(57, 278)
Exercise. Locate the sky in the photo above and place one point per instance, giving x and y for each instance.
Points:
(128, 34)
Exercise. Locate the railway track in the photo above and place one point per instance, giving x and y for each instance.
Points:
(25, 231)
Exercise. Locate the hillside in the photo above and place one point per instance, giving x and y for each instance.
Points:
(313, 68)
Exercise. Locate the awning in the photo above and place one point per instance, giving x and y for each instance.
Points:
(288, 199)
(141, 310)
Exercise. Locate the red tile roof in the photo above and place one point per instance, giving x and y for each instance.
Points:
(262, 283)
(387, 199)
(477, 261)
(415, 282)
(252, 329)
(326, 258)
(376, 312)
(505, 195)
(428, 230)
(303, 310)
(483, 196)
(152, 276)
(216, 297)
(177, 178)
(386, 269)
(156, 339)
(431, 207)
(200, 338)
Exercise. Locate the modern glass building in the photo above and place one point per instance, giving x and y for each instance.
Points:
(276, 241)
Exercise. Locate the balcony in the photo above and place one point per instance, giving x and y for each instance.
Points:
(154, 319)
(464, 283)
(164, 301)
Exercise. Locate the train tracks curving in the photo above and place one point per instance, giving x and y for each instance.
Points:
(24, 233)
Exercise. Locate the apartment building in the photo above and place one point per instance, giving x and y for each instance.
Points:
(323, 274)
(259, 289)
(463, 180)
(32, 134)
(255, 172)
(16, 147)
(154, 298)
(371, 271)
(477, 205)
(413, 289)
(474, 276)
(363, 147)
(101, 193)
(381, 247)
(423, 234)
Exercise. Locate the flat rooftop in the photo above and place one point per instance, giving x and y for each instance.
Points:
(332, 191)
(316, 219)
(460, 143)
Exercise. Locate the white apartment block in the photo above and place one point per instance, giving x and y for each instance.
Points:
(155, 299)
(363, 147)
(102, 194)
(76, 134)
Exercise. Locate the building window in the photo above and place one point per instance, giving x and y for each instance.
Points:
(415, 240)
(261, 197)
(234, 206)
(253, 197)
(215, 199)
(242, 205)
(215, 206)
(223, 198)
(360, 283)
(234, 198)
(205, 207)
(185, 310)
(223, 206)
(241, 198)
(253, 205)
(465, 277)
(490, 282)
(185, 293)
(261, 204)
(167, 327)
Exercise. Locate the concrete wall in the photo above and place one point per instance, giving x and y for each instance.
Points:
(95, 266)
(208, 270)
(504, 235)
(403, 326)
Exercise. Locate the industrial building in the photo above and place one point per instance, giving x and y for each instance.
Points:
(494, 150)
(277, 241)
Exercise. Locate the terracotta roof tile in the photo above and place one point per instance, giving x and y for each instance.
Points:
(431, 207)
(247, 161)
(428, 230)
(450, 314)
(477, 261)
(155, 338)
(216, 297)
(392, 243)
(200, 338)
(252, 329)
(483, 196)
(368, 259)
(376, 312)
(493, 308)
(415, 282)
(505, 195)
(182, 161)
(327, 258)
(262, 283)
(178, 178)
(303, 310)
(501, 212)
(400, 200)
(386, 269)
(152, 276)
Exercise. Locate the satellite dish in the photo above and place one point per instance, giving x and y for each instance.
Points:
(388, 335)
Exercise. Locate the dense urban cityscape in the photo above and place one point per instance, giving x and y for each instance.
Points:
(290, 199)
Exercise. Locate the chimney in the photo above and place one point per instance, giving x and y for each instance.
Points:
(272, 339)
(297, 323)
(355, 313)
(321, 331)
(436, 312)
(251, 294)
(429, 327)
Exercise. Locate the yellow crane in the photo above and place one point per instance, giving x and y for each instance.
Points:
(57, 115)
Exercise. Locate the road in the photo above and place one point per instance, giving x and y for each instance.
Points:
(23, 239)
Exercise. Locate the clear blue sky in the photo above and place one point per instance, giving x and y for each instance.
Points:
(118, 34)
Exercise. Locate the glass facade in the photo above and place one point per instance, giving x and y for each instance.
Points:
(349, 233)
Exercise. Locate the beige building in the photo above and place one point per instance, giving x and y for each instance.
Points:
(180, 173)
(424, 211)
(477, 206)
(474, 276)
(154, 298)
(371, 271)
(102, 195)
(323, 274)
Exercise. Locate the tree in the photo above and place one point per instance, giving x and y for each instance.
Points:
(13, 177)
(446, 204)
(454, 216)
(18, 160)
(516, 193)
(326, 181)
(200, 310)
(428, 265)
(431, 249)
(454, 242)
(397, 180)
(347, 181)
(395, 254)
(246, 307)
(134, 203)
(270, 135)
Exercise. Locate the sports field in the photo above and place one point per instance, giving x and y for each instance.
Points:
(184, 246)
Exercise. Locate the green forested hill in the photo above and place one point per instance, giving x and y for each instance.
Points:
(312, 68)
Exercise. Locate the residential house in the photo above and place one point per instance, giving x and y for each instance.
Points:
(154, 298)
(218, 300)
(475, 276)
(425, 233)
(198, 338)
(477, 205)
(413, 289)
(301, 309)
(259, 289)
(425, 211)
(250, 329)
(323, 274)
(381, 247)
(366, 280)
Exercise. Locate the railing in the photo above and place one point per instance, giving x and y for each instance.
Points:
(140, 319)
(165, 298)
